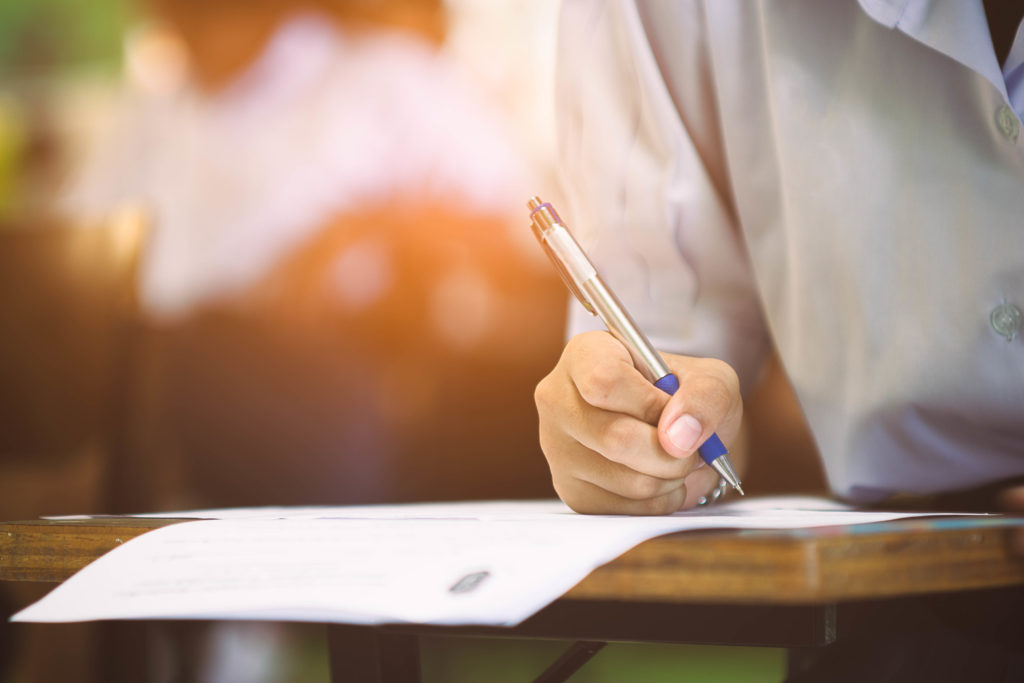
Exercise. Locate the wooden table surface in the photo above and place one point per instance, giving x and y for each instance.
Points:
(790, 567)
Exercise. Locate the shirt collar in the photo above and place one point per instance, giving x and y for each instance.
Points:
(1013, 70)
(956, 28)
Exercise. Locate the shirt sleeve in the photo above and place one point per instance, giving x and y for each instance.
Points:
(645, 178)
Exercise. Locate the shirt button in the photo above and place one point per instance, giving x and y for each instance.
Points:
(1006, 122)
(1006, 319)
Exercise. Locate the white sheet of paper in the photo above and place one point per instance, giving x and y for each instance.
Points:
(384, 564)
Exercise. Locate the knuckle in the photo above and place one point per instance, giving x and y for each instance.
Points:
(725, 374)
(642, 487)
(542, 394)
(615, 438)
(583, 340)
(720, 367)
(578, 347)
(720, 392)
(598, 383)
(574, 344)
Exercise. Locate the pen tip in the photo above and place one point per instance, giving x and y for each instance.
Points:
(740, 489)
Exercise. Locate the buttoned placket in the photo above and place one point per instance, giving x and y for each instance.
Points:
(959, 32)
(1006, 318)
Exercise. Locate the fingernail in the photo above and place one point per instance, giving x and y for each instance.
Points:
(684, 432)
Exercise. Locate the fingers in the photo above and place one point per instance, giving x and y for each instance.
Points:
(604, 487)
(597, 417)
(589, 499)
(625, 440)
(589, 482)
(708, 401)
(604, 376)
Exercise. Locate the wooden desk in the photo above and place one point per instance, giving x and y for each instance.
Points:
(771, 588)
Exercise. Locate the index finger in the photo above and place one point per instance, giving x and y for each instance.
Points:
(604, 375)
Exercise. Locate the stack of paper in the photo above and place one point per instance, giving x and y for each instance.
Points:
(491, 563)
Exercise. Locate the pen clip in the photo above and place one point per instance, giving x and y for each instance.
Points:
(538, 232)
(567, 279)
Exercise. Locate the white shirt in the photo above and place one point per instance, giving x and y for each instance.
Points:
(844, 179)
(323, 123)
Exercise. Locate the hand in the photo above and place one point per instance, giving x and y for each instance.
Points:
(616, 444)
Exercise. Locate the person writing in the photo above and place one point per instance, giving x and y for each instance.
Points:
(839, 180)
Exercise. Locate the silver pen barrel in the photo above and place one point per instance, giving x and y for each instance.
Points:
(582, 279)
(621, 325)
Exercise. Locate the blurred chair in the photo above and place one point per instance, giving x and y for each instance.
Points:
(66, 313)
(66, 310)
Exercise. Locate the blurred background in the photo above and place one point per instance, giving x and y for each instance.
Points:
(314, 209)
(271, 252)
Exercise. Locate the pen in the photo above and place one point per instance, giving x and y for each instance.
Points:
(583, 281)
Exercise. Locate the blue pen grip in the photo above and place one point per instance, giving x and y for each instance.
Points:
(713, 448)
